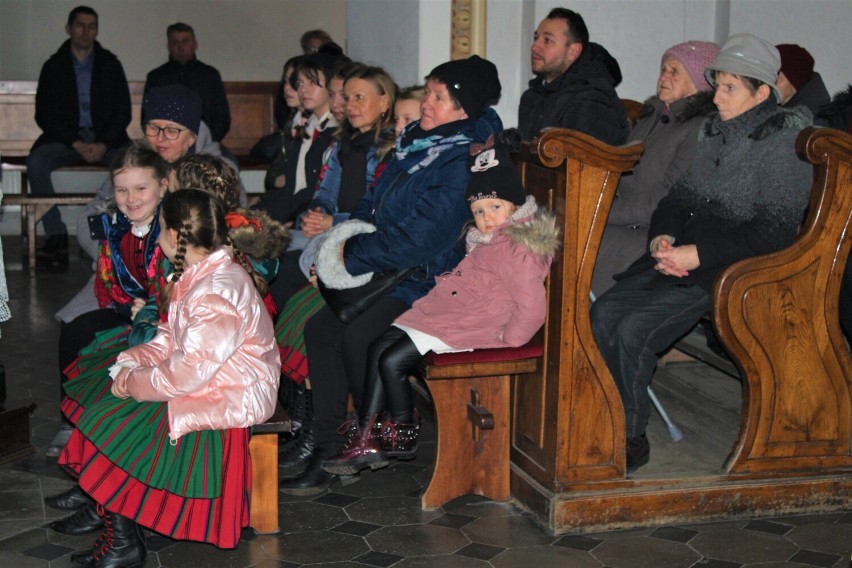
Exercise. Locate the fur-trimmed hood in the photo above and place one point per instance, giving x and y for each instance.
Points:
(330, 269)
(530, 226)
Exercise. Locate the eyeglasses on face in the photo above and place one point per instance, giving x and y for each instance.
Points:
(169, 132)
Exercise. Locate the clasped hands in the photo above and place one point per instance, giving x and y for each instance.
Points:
(119, 388)
(316, 222)
(673, 260)
(91, 152)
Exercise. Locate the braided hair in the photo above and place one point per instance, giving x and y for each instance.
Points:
(199, 221)
(211, 174)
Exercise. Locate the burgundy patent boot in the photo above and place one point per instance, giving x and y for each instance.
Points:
(399, 440)
(362, 449)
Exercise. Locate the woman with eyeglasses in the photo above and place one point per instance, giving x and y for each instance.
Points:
(173, 130)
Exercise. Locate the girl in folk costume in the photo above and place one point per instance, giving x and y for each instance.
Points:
(494, 298)
(256, 238)
(129, 264)
(129, 254)
(168, 448)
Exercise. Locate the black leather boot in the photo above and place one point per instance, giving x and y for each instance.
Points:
(84, 521)
(302, 408)
(53, 256)
(86, 558)
(70, 500)
(122, 546)
(315, 479)
(294, 458)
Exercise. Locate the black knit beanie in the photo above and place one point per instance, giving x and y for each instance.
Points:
(473, 82)
(493, 175)
(175, 103)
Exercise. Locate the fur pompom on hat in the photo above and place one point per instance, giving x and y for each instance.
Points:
(695, 56)
(748, 56)
(175, 103)
(797, 64)
(473, 82)
(257, 234)
(493, 175)
(330, 269)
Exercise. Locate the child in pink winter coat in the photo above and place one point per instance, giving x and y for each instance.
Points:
(494, 298)
(168, 450)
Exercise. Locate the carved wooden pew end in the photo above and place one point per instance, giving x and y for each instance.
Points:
(471, 394)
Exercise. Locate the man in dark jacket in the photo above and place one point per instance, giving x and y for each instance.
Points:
(575, 82)
(185, 69)
(83, 109)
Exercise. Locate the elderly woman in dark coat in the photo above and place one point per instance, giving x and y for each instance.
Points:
(669, 128)
(744, 195)
(418, 208)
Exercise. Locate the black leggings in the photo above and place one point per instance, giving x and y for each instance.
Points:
(337, 360)
(391, 359)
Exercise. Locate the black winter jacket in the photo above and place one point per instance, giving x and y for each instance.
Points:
(57, 108)
(582, 98)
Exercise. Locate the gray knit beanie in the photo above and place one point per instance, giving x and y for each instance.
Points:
(748, 56)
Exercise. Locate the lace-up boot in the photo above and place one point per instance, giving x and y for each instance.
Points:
(362, 449)
(121, 545)
(399, 440)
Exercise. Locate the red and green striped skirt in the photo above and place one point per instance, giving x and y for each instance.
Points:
(198, 488)
(91, 369)
(290, 331)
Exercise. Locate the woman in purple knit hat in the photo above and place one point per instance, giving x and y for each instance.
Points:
(668, 126)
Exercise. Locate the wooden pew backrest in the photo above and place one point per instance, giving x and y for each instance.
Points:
(251, 115)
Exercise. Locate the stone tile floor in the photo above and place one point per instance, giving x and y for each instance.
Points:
(375, 522)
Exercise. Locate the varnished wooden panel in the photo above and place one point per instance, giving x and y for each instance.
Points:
(778, 316)
(568, 421)
(251, 105)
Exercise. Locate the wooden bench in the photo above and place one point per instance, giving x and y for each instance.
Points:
(251, 104)
(252, 117)
(777, 315)
(264, 471)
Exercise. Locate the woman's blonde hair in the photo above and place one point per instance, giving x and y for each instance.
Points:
(385, 137)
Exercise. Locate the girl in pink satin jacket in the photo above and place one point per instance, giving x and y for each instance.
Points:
(169, 450)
